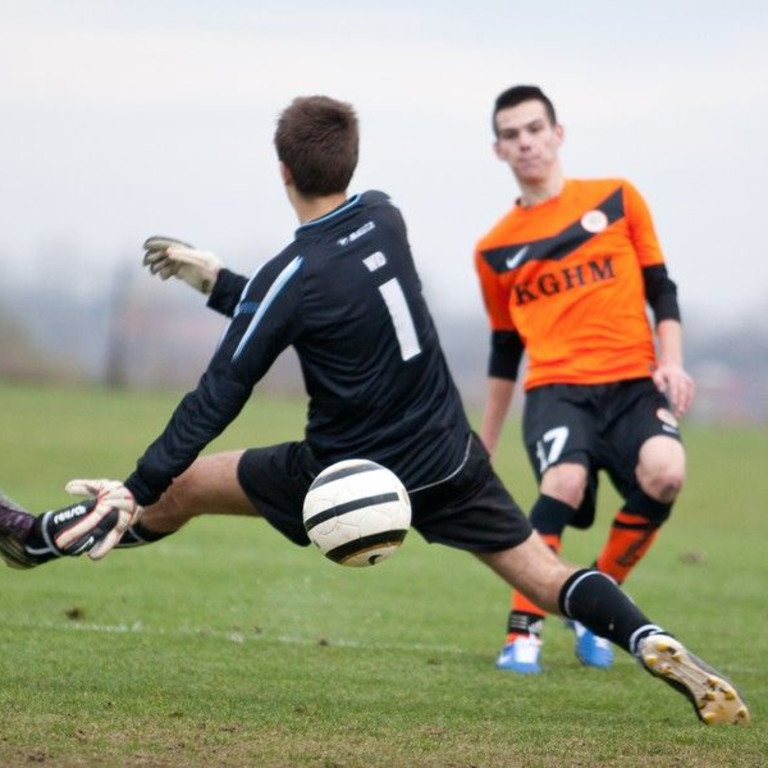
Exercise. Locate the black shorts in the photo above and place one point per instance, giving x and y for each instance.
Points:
(600, 426)
(470, 509)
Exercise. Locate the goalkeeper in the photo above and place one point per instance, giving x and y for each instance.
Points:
(346, 295)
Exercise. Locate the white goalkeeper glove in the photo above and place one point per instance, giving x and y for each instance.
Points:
(167, 257)
(100, 527)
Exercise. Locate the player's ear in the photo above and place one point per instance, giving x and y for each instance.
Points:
(497, 150)
(286, 175)
(559, 133)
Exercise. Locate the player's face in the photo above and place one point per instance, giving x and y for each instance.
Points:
(528, 142)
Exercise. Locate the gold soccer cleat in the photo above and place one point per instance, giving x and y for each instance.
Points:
(713, 696)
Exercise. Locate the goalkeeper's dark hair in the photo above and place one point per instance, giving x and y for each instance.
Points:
(517, 95)
(317, 139)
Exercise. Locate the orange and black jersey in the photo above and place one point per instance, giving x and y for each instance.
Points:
(571, 276)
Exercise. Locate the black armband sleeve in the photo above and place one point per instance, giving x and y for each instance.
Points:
(226, 292)
(506, 352)
(661, 293)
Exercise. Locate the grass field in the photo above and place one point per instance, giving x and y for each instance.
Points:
(226, 646)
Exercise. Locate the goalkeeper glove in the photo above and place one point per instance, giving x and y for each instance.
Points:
(167, 257)
(93, 527)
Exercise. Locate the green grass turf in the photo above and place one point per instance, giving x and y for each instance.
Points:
(227, 646)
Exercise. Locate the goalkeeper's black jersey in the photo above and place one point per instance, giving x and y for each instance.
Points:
(345, 294)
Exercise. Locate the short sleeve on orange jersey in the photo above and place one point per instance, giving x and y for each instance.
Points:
(641, 229)
(495, 296)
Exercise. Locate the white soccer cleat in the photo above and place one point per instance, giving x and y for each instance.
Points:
(713, 696)
(521, 655)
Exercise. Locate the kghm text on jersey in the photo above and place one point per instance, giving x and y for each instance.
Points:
(551, 283)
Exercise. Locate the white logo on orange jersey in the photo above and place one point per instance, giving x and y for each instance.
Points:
(513, 261)
(594, 221)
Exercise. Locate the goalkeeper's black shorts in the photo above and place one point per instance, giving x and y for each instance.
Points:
(470, 509)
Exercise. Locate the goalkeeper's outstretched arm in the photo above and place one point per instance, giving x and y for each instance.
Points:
(93, 526)
(167, 257)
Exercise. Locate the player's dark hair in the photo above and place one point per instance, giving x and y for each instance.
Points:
(317, 139)
(517, 95)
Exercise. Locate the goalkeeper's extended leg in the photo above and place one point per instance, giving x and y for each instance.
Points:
(209, 487)
(595, 600)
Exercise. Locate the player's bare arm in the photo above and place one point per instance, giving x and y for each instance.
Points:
(497, 403)
(670, 376)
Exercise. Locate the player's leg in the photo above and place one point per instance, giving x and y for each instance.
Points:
(558, 434)
(577, 490)
(561, 491)
(473, 511)
(594, 600)
(640, 448)
(210, 486)
(590, 649)
(646, 461)
(269, 482)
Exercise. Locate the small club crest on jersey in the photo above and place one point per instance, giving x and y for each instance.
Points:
(594, 221)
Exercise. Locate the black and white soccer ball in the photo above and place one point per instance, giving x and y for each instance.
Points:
(357, 512)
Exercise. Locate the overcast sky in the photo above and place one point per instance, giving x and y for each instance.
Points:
(123, 119)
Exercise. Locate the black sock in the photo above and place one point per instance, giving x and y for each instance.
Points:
(137, 535)
(594, 599)
(524, 623)
(549, 516)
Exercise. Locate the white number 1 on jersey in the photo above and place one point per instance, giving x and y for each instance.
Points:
(402, 320)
